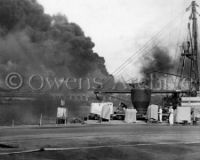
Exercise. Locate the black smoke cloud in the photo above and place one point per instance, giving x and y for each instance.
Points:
(158, 61)
(32, 41)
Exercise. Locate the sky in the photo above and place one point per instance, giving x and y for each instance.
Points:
(117, 27)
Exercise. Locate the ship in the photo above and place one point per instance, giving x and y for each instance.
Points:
(141, 96)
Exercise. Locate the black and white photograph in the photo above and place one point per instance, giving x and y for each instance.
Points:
(99, 80)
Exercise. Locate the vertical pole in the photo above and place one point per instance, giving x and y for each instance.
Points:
(195, 43)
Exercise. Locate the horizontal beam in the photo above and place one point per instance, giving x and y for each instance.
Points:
(169, 91)
(152, 91)
(112, 92)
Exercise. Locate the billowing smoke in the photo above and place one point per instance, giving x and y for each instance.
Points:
(158, 61)
(32, 42)
(162, 71)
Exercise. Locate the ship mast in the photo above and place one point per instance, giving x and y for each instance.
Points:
(195, 43)
(192, 51)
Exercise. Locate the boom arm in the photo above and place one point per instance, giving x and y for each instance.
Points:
(129, 91)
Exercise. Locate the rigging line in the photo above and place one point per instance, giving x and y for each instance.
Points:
(140, 50)
(147, 43)
(137, 52)
(145, 54)
(118, 72)
(179, 35)
(137, 57)
(177, 49)
(161, 32)
(181, 66)
(117, 75)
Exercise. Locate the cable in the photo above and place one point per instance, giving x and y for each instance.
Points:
(139, 51)
(146, 45)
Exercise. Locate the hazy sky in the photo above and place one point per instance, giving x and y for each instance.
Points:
(117, 27)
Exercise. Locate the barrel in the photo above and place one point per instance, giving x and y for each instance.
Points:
(141, 99)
